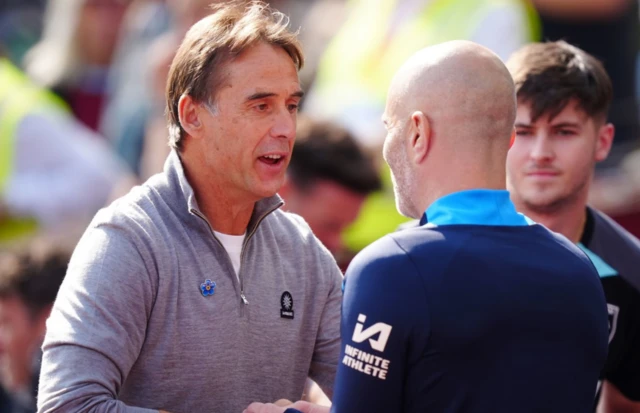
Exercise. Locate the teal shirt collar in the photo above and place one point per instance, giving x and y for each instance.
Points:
(604, 269)
(475, 207)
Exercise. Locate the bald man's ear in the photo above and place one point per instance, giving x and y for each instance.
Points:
(189, 113)
(420, 130)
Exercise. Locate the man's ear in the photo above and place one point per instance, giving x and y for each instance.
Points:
(604, 141)
(189, 113)
(420, 139)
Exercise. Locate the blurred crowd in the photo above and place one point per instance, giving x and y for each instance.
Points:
(82, 120)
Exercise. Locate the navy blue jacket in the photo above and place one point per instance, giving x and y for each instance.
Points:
(476, 311)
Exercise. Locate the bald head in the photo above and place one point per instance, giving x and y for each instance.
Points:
(462, 87)
(450, 113)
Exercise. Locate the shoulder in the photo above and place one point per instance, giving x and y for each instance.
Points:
(288, 221)
(133, 225)
(616, 246)
(297, 243)
(141, 207)
(385, 284)
(614, 234)
(387, 260)
(291, 229)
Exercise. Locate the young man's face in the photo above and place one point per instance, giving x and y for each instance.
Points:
(20, 336)
(250, 135)
(551, 161)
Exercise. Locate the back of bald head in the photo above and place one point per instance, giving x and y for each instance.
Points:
(464, 90)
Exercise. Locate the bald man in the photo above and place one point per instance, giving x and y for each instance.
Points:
(476, 310)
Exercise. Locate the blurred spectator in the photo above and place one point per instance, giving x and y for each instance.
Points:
(328, 180)
(74, 54)
(20, 27)
(54, 172)
(378, 35)
(134, 117)
(162, 51)
(130, 98)
(30, 277)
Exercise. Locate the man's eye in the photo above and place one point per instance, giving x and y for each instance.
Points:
(566, 132)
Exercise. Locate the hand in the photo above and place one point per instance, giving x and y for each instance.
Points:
(279, 407)
(264, 408)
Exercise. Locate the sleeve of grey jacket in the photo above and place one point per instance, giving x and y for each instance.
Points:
(327, 349)
(98, 323)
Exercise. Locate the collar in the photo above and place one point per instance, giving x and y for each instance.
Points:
(589, 226)
(604, 269)
(474, 207)
(182, 198)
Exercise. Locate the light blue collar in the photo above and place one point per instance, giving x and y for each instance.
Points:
(475, 207)
(604, 269)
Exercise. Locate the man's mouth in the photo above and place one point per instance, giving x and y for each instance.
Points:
(542, 172)
(271, 159)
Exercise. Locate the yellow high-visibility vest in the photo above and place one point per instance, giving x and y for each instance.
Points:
(19, 97)
(362, 58)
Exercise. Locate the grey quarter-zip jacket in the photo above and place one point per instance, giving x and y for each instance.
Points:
(136, 326)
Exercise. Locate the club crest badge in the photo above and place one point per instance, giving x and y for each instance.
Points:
(286, 305)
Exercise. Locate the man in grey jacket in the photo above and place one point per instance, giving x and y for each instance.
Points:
(194, 292)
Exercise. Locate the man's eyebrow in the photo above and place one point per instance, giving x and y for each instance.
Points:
(566, 124)
(263, 95)
(260, 95)
(522, 125)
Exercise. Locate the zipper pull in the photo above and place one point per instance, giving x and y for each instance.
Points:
(244, 299)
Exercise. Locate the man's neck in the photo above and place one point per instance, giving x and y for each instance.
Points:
(226, 211)
(426, 199)
(224, 215)
(567, 221)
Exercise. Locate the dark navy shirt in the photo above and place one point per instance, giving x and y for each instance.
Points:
(476, 311)
(616, 255)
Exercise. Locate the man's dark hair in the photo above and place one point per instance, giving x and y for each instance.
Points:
(33, 273)
(326, 151)
(548, 75)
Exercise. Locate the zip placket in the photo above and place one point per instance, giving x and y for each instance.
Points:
(243, 298)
